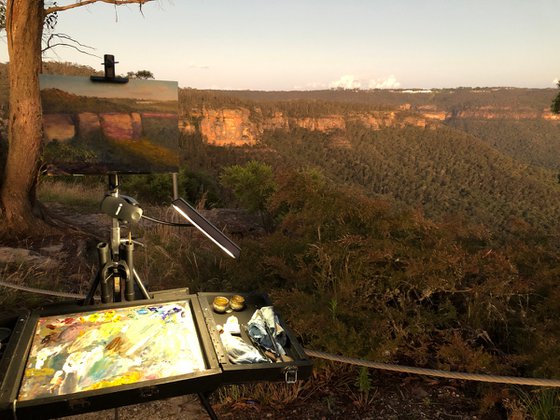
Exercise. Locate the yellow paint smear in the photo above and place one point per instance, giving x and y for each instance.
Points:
(39, 372)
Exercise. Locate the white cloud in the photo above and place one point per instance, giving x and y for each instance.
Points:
(346, 82)
(390, 82)
(555, 81)
(349, 81)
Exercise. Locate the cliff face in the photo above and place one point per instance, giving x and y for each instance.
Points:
(58, 127)
(496, 113)
(242, 126)
(228, 127)
(121, 126)
(116, 126)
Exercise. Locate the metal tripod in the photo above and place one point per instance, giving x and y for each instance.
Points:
(116, 276)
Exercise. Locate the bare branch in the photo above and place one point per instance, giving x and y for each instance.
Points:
(67, 41)
(80, 3)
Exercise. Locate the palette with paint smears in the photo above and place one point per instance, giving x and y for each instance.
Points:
(67, 358)
(99, 349)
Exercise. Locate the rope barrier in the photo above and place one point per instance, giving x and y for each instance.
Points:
(42, 291)
(439, 373)
(512, 380)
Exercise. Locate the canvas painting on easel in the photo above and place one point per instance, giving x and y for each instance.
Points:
(100, 128)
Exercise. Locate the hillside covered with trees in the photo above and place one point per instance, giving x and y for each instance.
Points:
(489, 171)
(440, 242)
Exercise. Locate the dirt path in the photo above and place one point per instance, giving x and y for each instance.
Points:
(184, 407)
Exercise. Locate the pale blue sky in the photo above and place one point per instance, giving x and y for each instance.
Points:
(312, 44)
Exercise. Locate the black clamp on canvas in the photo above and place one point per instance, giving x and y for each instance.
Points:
(109, 63)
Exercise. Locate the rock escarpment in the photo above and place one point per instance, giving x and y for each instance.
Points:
(59, 127)
(112, 125)
(242, 126)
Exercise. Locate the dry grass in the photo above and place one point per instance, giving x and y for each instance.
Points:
(266, 393)
(55, 277)
(78, 194)
(177, 256)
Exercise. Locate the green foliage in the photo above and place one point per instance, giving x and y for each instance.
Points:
(534, 142)
(252, 184)
(140, 74)
(555, 107)
(363, 381)
(444, 172)
(364, 397)
(199, 186)
(149, 189)
(2, 15)
(388, 284)
(325, 102)
(543, 404)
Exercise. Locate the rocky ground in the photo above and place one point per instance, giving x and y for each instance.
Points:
(394, 398)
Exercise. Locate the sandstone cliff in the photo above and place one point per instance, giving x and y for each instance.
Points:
(113, 125)
(243, 126)
(58, 127)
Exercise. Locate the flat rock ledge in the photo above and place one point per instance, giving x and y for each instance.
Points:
(25, 256)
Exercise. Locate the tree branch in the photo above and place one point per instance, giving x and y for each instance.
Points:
(80, 3)
(63, 37)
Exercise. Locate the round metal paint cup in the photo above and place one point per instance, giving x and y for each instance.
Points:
(220, 304)
(237, 302)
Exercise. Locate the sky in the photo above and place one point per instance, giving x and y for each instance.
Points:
(321, 44)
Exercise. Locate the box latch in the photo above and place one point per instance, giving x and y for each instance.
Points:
(290, 374)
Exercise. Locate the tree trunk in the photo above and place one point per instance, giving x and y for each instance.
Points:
(24, 26)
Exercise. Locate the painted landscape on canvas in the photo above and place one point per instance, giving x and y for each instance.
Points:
(99, 128)
(99, 349)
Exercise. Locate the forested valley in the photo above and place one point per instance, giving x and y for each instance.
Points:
(434, 246)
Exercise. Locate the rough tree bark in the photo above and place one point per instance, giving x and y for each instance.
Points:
(24, 28)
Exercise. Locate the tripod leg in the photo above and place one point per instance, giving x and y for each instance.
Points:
(140, 285)
(89, 298)
(203, 396)
(103, 255)
(128, 248)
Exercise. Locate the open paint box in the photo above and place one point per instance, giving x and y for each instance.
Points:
(68, 359)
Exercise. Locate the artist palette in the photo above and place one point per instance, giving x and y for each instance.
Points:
(69, 359)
